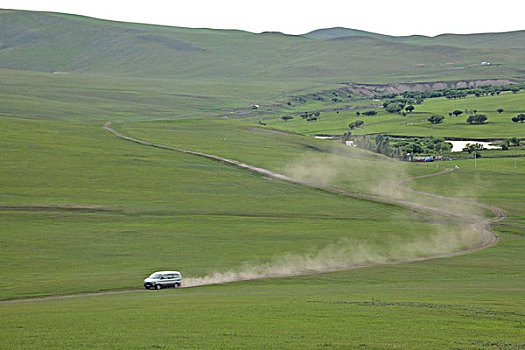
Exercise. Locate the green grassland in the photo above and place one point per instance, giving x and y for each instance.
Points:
(126, 201)
(499, 125)
(81, 208)
(91, 97)
(84, 211)
(468, 302)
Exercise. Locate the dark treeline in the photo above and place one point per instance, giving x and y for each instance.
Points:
(463, 92)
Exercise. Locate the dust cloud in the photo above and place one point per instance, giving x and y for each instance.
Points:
(379, 178)
(351, 253)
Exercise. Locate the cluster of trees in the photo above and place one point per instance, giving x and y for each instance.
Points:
(427, 145)
(436, 119)
(519, 118)
(308, 115)
(477, 119)
(381, 144)
(398, 104)
(367, 113)
(419, 96)
(356, 124)
(456, 113)
(473, 147)
(514, 141)
(393, 147)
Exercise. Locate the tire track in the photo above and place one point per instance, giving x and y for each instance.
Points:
(499, 214)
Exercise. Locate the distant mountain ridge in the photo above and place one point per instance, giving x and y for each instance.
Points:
(54, 42)
(513, 39)
(337, 32)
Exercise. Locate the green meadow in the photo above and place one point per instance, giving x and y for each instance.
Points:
(82, 208)
(499, 125)
(86, 216)
(87, 211)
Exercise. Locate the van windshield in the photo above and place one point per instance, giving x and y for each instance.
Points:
(155, 276)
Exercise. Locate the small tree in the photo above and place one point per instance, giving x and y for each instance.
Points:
(369, 113)
(519, 118)
(473, 147)
(358, 113)
(410, 108)
(500, 110)
(457, 112)
(515, 141)
(286, 118)
(394, 107)
(356, 124)
(477, 119)
(383, 145)
(436, 119)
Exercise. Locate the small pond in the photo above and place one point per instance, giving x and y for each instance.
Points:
(457, 146)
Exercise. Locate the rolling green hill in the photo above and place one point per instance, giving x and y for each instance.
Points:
(338, 32)
(59, 43)
(85, 215)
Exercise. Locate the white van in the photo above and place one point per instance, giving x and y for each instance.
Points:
(163, 279)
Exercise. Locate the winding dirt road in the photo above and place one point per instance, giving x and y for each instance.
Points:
(491, 239)
(499, 214)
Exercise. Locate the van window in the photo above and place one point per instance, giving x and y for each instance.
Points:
(171, 276)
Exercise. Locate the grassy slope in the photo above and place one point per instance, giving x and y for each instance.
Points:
(56, 42)
(218, 216)
(469, 302)
(416, 124)
(87, 97)
(81, 207)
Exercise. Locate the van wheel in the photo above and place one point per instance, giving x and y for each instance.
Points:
(176, 285)
(158, 286)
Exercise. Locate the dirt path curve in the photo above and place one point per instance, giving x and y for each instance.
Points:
(499, 214)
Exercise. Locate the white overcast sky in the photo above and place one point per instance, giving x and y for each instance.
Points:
(401, 17)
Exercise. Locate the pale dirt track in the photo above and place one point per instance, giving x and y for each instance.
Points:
(499, 214)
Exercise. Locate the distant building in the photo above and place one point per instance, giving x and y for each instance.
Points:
(484, 63)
